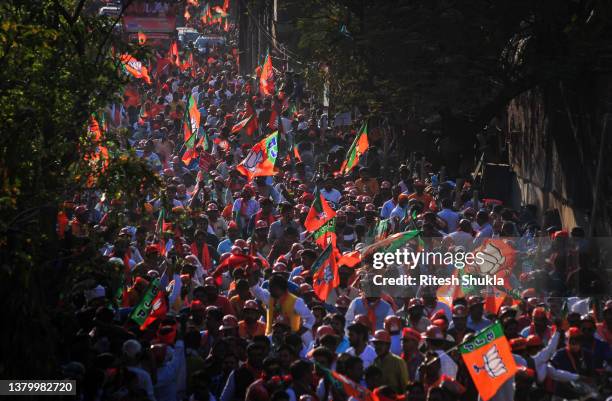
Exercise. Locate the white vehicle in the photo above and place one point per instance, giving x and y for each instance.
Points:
(187, 35)
(109, 11)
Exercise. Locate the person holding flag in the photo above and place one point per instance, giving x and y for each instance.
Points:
(371, 305)
(358, 147)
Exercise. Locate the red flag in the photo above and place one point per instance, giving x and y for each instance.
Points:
(266, 80)
(162, 63)
(249, 123)
(232, 262)
(320, 213)
(159, 309)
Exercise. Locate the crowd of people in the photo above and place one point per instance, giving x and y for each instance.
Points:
(236, 315)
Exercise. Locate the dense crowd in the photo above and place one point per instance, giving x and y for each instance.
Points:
(237, 315)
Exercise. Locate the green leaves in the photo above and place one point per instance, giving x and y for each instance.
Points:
(56, 69)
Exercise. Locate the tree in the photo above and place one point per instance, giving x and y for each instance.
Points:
(57, 68)
(450, 66)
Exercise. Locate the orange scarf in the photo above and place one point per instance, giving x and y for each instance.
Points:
(371, 312)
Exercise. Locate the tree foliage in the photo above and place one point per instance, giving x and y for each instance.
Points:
(456, 63)
(56, 68)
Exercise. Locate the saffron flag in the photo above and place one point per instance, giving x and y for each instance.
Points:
(326, 234)
(249, 123)
(142, 38)
(192, 152)
(350, 259)
(345, 385)
(173, 54)
(325, 273)
(140, 313)
(499, 258)
(296, 154)
(320, 213)
(135, 68)
(266, 80)
(261, 158)
(191, 123)
(489, 360)
(359, 146)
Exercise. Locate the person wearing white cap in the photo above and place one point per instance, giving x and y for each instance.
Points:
(131, 350)
(95, 295)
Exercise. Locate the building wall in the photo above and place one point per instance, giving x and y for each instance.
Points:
(554, 159)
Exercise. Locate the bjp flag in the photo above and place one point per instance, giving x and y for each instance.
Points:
(261, 158)
(325, 273)
(266, 80)
(135, 68)
(320, 213)
(489, 360)
(359, 146)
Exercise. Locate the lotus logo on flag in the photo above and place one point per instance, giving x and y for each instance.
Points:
(194, 125)
(135, 64)
(252, 160)
(328, 275)
(492, 363)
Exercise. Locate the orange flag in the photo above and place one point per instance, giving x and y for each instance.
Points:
(350, 259)
(325, 273)
(135, 68)
(266, 80)
(142, 38)
(261, 158)
(173, 54)
(250, 123)
(489, 360)
(320, 213)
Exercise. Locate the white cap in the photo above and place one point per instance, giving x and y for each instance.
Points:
(131, 348)
(97, 292)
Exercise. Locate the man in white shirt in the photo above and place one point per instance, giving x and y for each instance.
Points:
(435, 342)
(131, 355)
(485, 230)
(463, 236)
(449, 215)
(330, 193)
(358, 338)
